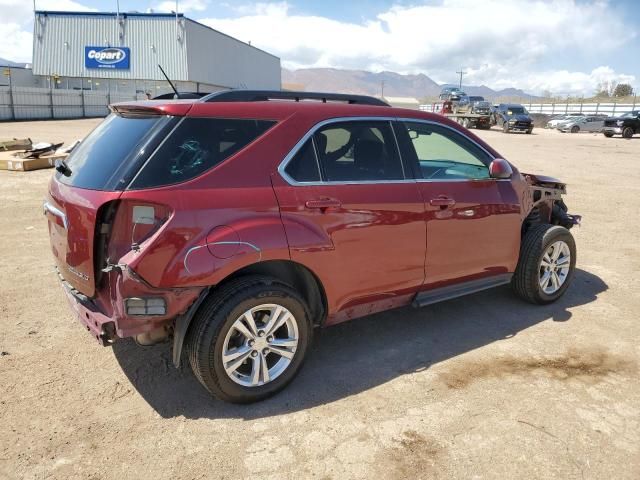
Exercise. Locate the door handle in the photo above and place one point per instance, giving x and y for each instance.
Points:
(442, 202)
(322, 203)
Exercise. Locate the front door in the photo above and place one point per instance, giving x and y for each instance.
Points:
(354, 217)
(472, 220)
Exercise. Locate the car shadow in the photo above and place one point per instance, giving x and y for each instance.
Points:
(355, 356)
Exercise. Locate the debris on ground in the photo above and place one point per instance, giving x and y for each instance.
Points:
(28, 156)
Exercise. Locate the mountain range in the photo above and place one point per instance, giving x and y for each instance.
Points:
(368, 83)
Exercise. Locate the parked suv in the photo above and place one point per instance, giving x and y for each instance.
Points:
(236, 224)
(512, 116)
(626, 125)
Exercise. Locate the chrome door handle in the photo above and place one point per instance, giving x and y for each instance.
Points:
(467, 213)
(322, 203)
(442, 202)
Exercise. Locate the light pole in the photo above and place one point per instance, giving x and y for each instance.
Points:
(461, 73)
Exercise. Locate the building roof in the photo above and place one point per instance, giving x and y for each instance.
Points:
(144, 15)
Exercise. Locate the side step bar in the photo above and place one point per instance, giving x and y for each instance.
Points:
(441, 294)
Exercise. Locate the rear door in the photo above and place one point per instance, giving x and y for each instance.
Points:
(472, 220)
(353, 215)
(98, 169)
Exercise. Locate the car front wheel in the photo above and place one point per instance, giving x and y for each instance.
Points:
(505, 127)
(546, 264)
(608, 134)
(249, 339)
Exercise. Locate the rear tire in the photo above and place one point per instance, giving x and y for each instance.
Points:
(216, 333)
(627, 132)
(539, 277)
(505, 127)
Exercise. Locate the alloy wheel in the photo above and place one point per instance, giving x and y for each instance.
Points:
(260, 345)
(554, 267)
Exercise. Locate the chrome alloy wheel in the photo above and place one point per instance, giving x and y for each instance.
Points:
(260, 345)
(554, 267)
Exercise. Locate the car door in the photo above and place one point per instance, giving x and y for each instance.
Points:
(353, 216)
(593, 124)
(472, 220)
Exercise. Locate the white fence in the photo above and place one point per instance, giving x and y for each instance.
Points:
(31, 103)
(611, 109)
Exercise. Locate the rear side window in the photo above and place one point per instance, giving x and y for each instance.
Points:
(303, 167)
(195, 146)
(108, 157)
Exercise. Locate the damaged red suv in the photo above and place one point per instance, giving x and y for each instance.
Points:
(237, 223)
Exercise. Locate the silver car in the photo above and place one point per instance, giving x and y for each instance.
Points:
(582, 124)
(556, 121)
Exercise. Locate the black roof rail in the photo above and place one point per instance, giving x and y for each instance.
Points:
(265, 95)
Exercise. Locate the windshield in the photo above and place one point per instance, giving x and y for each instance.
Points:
(633, 114)
(516, 111)
(108, 157)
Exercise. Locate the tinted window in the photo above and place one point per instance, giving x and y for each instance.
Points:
(106, 159)
(195, 146)
(358, 151)
(303, 167)
(446, 155)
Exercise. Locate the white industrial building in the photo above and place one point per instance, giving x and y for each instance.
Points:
(121, 52)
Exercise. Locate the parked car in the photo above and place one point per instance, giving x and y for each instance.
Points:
(481, 107)
(626, 125)
(512, 116)
(235, 225)
(466, 103)
(582, 124)
(555, 121)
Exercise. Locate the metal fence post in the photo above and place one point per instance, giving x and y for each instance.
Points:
(613, 114)
(553, 108)
(84, 110)
(597, 107)
(11, 102)
(634, 102)
(51, 102)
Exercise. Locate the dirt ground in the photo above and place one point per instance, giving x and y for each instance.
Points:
(481, 387)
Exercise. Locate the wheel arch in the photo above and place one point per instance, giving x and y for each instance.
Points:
(292, 273)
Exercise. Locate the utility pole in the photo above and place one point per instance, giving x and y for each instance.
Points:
(382, 89)
(461, 73)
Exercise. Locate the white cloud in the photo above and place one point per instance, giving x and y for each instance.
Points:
(498, 41)
(184, 6)
(16, 25)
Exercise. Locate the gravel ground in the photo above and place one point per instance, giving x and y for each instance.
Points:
(480, 387)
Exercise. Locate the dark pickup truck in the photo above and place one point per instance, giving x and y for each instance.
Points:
(512, 116)
(626, 125)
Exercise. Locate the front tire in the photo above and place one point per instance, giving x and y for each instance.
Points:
(505, 127)
(575, 129)
(248, 340)
(627, 132)
(608, 134)
(546, 265)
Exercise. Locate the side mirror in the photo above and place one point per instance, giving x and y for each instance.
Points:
(500, 168)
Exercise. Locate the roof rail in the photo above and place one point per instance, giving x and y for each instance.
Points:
(265, 95)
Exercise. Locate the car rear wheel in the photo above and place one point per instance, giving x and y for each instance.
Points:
(627, 132)
(608, 134)
(248, 341)
(575, 129)
(546, 264)
(505, 127)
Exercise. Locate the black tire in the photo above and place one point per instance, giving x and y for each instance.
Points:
(526, 280)
(608, 134)
(529, 131)
(465, 123)
(575, 129)
(627, 132)
(215, 318)
(505, 127)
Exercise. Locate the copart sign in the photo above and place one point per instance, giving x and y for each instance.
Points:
(106, 57)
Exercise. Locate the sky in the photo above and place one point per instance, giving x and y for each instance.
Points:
(565, 47)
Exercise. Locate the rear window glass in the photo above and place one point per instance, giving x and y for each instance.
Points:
(106, 159)
(195, 146)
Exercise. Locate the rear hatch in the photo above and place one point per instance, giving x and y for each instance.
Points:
(97, 172)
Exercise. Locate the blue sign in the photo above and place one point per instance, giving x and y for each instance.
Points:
(106, 57)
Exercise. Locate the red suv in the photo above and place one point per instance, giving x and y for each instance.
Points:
(236, 223)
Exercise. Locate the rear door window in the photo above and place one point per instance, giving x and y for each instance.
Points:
(358, 151)
(195, 146)
(303, 167)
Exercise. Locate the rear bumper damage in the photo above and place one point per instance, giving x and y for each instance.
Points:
(105, 316)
